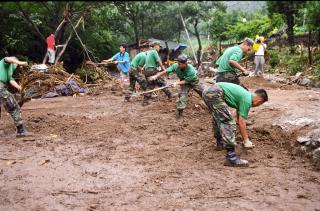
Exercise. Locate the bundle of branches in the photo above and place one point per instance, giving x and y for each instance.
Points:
(36, 83)
(94, 72)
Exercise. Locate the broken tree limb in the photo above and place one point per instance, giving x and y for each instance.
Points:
(84, 47)
(67, 42)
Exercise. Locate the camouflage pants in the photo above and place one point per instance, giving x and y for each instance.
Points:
(158, 82)
(224, 126)
(228, 76)
(11, 105)
(136, 76)
(183, 94)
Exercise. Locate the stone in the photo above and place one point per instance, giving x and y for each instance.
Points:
(316, 155)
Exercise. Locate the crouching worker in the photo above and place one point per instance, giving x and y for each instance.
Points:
(188, 80)
(218, 97)
(7, 66)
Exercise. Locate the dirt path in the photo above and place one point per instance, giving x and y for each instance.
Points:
(100, 153)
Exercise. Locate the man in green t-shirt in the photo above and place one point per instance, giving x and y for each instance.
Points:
(218, 97)
(135, 72)
(188, 80)
(153, 60)
(229, 62)
(7, 67)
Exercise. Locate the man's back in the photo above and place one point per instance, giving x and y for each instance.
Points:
(233, 53)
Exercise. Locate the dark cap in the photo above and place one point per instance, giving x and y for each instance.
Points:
(182, 58)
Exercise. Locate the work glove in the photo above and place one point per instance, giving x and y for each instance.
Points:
(248, 144)
(152, 78)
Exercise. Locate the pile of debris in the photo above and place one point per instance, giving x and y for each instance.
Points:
(94, 72)
(43, 81)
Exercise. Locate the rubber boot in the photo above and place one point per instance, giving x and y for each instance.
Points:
(146, 100)
(179, 113)
(233, 160)
(22, 132)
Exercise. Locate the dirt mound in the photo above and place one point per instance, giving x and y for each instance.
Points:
(259, 82)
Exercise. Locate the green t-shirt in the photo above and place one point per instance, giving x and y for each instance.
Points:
(237, 97)
(152, 59)
(139, 60)
(6, 71)
(189, 74)
(233, 53)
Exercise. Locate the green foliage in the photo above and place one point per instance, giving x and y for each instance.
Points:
(294, 69)
(260, 25)
(274, 58)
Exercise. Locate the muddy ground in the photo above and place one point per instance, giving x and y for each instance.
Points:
(97, 152)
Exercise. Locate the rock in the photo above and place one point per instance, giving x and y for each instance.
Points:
(304, 82)
(316, 155)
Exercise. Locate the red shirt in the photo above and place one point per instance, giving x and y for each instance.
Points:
(50, 42)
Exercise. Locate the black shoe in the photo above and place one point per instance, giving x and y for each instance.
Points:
(233, 160)
(127, 98)
(22, 132)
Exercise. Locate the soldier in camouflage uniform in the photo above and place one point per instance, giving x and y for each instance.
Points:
(229, 62)
(7, 67)
(153, 60)
(218, 97)
(135, 73)
(188, 80)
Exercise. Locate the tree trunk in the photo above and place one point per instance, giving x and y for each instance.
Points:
(199, 42)
(309, 48)
(27, 18)
(219, 47)
(135, 29)
(67, 42)
(290, 23)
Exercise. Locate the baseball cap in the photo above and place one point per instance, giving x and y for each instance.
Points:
(182, 58)
(249, 41)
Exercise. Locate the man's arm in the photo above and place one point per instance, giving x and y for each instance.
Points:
(158, 75)
(243, 128)
(15, 85)
(237, 65)
(14, 60)
(161, 65)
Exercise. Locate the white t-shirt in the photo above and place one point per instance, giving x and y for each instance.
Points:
(260, 51)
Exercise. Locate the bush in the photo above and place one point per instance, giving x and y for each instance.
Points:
(274, 59)
(292, 70)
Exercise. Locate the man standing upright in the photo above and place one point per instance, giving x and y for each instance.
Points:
(188, 80)
(7, 66)
(259, 57)
(229, 62)
(51, 49)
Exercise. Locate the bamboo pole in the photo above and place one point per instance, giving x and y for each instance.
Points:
(184, 25)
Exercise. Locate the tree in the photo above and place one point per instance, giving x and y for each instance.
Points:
(195, 13)
(289, 9)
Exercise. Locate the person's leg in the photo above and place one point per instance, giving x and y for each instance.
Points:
(230, 77)
(256, 62)
(183, 97)
(262, 65)
(197, 87)
(161, 82)
(13, 108)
